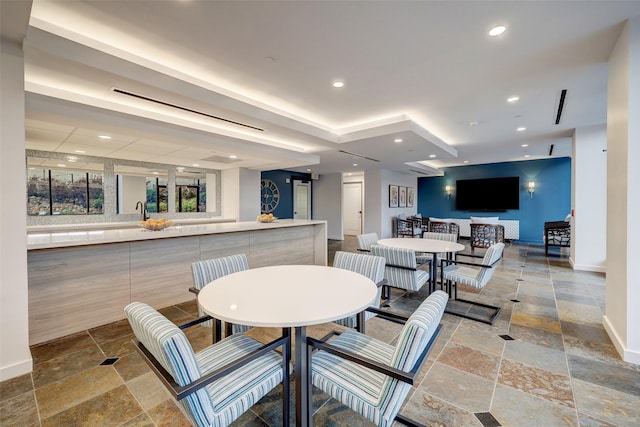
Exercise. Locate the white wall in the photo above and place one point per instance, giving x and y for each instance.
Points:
(623, 198)
(131, 190)
(379, 216)
(212, 196)
(589, 199)
(326, 199)
(240, 194)
(15, 357)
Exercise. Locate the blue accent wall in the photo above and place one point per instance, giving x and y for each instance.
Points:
(279, 177)
(551, 200)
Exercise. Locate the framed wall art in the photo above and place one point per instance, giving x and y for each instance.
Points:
(410, 197)
(393, 196)
(402, 197)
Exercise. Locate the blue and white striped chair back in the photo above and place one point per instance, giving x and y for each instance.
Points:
(493, 254)
(448, 237)
(211, 269)
(400, 270)
(368, 265)
(208, 270)
(366, 240)
(172, 350)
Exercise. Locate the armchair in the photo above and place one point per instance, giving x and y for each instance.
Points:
(372, 377)
(369, 266)
(401, 270)
(485, 235)
(556, 233)
(366, 240)
(218, 384)
(448, 237)
(407, 228)
(477, 275)
(444, 227)
(209, 270)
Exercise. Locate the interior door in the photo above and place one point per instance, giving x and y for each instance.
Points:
(301, 199)
(352, 208)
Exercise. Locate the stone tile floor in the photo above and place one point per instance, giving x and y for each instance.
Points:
(546, 361)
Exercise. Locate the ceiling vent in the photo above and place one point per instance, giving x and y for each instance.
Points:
(561, 100)
(179, 107)
(360, 156)
(419, 172)
(220, 159)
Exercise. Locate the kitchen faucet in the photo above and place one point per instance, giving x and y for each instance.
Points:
(143, 210)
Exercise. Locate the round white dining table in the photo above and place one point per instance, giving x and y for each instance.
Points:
(289, 296)
(430, 246)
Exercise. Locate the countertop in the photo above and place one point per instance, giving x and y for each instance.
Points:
(78, 237)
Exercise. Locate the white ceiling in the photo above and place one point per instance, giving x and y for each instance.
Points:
(417, 70)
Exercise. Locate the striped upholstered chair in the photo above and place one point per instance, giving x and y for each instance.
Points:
(366, 240)
(477, 275)
(216, 385)
(447, 237)
(208, 270)
(367, 265)
(378, 377)
(401, 270)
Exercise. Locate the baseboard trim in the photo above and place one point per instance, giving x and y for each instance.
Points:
(626, 354)
(586, 267)
(16, 370)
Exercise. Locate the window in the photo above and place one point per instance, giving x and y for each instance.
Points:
(64, 192)
(191, 194)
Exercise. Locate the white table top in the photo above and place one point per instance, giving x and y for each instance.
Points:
(422, 245)
(287, 295)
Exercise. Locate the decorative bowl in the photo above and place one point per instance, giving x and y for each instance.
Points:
(155, 224)
(266, 218)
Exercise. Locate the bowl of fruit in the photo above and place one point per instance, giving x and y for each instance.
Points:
(155, 224)
(266, 218)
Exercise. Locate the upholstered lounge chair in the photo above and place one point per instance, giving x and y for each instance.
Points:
(372, 377)
(218, 384)
(485, 235)
(477, 275)
(369, 266)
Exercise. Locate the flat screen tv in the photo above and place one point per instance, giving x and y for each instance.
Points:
(488, 195)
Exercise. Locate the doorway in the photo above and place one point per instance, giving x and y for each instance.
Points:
(352, 208)
(301, 199)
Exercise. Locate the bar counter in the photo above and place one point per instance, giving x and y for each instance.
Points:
(83, 279)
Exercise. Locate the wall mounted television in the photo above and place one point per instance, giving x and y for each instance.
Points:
(488, 194)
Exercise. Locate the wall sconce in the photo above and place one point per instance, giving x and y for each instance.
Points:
(449, 190)
(532, 188)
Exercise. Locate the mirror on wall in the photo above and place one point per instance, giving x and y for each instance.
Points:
(144, 184)
(64, 186)
(191, 191)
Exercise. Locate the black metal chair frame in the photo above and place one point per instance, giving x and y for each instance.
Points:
(180, 392)
(386, 290)
(407, 377)
(450, 284)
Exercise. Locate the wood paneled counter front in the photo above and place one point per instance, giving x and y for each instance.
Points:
(83, 279)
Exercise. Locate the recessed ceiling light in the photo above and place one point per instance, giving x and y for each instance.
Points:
(233, 156)
(308, 170)
(80, 151)
(180, 169)
(61, 165)
(432, 156)
(521, 129)
(355, 164)
(525, 145)
(513, 99)
(195, 165)
(466, 161)
(497, 30)
(473, 124)
(397, 140)
(349, 174)
(338, 84)
(72, 159)
(526, 155)
(156, 173)
(104, 137)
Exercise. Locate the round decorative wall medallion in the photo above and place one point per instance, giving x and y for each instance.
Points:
(270, 196)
